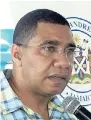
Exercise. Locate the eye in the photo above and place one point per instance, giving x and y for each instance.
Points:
(70, 51)
(50, 48)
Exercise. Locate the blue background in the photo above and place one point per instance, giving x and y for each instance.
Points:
(5, 46)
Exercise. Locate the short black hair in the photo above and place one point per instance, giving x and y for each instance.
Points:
(26, 26)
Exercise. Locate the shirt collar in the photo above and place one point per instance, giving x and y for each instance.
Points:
(56, 103)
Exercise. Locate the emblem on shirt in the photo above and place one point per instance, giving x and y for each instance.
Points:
(79, 85)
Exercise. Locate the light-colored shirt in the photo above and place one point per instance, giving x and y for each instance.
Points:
(12, 108)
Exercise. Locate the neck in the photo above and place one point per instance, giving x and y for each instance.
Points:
(32, 100)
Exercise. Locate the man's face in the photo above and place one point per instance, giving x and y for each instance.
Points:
(45, 71)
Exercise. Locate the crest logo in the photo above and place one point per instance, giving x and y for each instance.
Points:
(79, 85)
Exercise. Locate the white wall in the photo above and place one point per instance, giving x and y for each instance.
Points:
(12, 10)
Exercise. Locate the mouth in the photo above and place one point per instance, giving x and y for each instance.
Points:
(58, 78)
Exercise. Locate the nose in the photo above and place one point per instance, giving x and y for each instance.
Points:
(62, 61)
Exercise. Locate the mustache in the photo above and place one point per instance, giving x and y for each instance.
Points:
(63, 72)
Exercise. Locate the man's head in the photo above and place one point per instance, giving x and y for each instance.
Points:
(26, 27)
(43, 52)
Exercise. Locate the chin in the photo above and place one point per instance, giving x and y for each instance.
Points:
(56, 92)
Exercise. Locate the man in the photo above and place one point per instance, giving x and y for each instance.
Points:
(42, 55)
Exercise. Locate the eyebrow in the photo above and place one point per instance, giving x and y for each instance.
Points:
(51, 42)
(71, 45)
(56, 42)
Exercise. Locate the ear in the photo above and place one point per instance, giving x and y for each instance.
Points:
(16, 53)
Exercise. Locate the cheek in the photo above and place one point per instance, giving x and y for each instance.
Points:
(36, 64)
(70, 71)
(40, 66)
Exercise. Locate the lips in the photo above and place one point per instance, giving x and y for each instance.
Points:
(58, 77)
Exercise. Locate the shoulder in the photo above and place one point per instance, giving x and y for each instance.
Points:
(2, 76)
(3, 80)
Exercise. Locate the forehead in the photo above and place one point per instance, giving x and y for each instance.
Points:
(53, 32)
